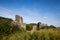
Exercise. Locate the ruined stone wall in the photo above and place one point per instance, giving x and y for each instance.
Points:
(19, 21)
(34, 27)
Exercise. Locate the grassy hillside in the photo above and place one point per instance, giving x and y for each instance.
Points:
(5, 26)
(45, 34)
(8, 32)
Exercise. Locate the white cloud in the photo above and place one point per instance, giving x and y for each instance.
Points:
(28, 15)
(6, 13)
(45, 17)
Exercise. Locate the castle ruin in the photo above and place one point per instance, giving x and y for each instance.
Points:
(19, 21)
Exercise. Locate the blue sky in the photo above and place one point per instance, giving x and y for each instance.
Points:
(32, 11)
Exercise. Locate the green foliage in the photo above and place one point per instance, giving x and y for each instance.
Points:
(51, 26)
(38, 25)
(8, 32)
(46, 34)
(29, 26)
(5, 26)
(43, 34)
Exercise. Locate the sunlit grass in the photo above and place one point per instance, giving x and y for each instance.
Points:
(43, 34)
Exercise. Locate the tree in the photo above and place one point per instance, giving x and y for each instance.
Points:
(52, 26)
(30, 26)
(38, 25)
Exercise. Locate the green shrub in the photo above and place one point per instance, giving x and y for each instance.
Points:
(29, 26)
(5, 26)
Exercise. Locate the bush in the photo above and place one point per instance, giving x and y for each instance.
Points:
(29, 26)
(5, 26)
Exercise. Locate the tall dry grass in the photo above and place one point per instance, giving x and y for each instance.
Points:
(43, 34)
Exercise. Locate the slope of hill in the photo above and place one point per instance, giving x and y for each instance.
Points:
(8, 32)
(5, 26)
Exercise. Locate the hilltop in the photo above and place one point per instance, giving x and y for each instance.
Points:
(10, 31)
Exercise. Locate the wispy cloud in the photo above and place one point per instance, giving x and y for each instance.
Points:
(6, 13)
(28, 15)
(31, 15)
(45, 17)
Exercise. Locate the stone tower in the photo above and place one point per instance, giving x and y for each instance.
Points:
(19, 21)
